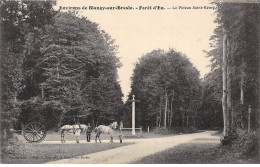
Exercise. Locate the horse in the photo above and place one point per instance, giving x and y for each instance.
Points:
(83, 127)
(75, 129)
(105, 129)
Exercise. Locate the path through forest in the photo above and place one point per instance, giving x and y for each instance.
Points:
(141, 149)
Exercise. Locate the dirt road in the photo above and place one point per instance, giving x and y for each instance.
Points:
(141, 148)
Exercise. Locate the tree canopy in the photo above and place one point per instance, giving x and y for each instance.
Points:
(56, 67)
(240, 23)
(165, 81)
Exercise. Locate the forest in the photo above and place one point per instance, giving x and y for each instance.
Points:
(56, 68)
(59, 68)
(173, 95)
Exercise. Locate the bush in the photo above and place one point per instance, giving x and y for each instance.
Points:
(174, 130)
(244, 146)
(248, 144)
(11, 148)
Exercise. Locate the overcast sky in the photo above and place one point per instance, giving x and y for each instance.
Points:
(138, 32)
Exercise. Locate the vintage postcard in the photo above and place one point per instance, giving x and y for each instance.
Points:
(129, 81)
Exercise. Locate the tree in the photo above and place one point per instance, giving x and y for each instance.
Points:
(164, 80)
(16, 20)
(80, 67)
(55, 62)
(238, 28)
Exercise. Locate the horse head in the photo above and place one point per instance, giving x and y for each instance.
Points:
(113, 125)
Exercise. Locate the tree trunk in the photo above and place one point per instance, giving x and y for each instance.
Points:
(224, 96)
(168, 113)
(242, 85)
(60, 121)
(194, 118)
(160, 113)
(165, 109)
(242, 82)
(58, 74)
(156, 119)
(93, 122)
(171, 113)
(229, 94)
(187, 120)
(183, 117)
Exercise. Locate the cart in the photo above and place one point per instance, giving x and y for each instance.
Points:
(34, 132)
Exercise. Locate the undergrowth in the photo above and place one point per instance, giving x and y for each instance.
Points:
(175, 130)
(245, 147)
(12, 148)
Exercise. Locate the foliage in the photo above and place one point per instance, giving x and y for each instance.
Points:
(159, 75)
(210, 111)
(80, 67)
(17, 19)
(240, 20)
(55, 66)
(242, 25)
(37, 110)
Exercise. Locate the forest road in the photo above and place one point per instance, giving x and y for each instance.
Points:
(140, 149)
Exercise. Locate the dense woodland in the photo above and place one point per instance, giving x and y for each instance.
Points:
(58, 68)
(168, 87)
(172, 94)
(235, 62)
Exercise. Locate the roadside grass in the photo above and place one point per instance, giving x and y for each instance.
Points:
(175, 130)
(127, 134)
(195, 153)
(191, 153)
(243, 150)
(56, 136)
(34, 153)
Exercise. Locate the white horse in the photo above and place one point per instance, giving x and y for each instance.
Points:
(105, 129)
(73, 129)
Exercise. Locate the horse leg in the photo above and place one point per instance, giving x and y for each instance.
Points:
(77, 136)
(61, 136)
(77, 139)
(111, 139)
(96, 137)
(99, 137)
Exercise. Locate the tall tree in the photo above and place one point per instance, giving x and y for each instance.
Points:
(158, 77)
(241, 25)
(80, 67)
(16, 20)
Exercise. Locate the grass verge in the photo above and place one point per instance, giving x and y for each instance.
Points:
(34, 153)
(243, 150)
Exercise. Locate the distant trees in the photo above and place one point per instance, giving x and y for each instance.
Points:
(56, 66)
(168, 86)
(210, 109)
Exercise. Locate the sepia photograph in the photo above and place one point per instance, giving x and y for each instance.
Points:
(129, 81)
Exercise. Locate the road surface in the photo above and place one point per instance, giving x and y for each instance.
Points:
(140, 149)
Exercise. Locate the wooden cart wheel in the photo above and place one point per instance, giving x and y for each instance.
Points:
(34, 132)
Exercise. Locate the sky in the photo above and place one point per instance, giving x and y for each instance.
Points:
(138, 32)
